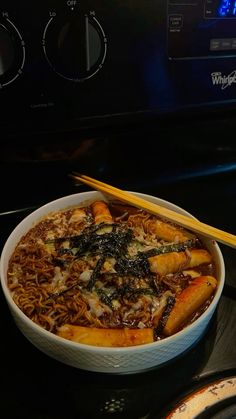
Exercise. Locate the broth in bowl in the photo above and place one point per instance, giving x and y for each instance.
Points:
(108, 274)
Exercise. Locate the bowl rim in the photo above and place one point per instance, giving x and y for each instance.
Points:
(35, 217)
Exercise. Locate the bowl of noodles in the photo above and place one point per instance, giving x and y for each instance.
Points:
(103, 286)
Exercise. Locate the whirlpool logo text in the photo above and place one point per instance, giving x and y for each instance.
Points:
(222, 80)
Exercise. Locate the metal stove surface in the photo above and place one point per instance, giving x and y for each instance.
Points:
(36, 386)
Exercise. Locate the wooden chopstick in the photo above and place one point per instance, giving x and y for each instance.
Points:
(170, 215)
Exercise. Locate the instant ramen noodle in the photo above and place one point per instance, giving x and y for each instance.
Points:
(108, 274)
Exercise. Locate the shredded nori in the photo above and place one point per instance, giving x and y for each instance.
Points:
(113, 244)
(95, 273)
(106, 299)
(164, 317)
(139, 265)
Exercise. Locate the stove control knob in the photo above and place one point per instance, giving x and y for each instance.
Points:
(75, 46)
(12, 52)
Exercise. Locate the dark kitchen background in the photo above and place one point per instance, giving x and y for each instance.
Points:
(140, 94)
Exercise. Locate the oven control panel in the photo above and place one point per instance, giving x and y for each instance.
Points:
(201, 29)
(69, 63)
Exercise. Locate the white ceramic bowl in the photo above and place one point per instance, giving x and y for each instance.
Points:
(104, 359)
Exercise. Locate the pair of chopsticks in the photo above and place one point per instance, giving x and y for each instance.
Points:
(170, 215)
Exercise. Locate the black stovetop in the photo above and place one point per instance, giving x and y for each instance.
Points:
(202, 181)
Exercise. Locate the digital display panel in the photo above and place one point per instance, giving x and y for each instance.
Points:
(226, 8)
